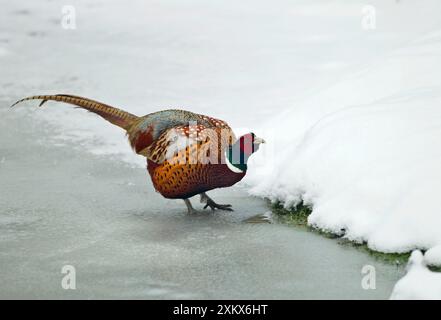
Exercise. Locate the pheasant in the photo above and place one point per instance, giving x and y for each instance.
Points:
(187, 153)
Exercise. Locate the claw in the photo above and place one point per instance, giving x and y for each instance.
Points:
(213, 205)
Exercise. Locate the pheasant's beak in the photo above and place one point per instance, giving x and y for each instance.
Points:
(259, 140)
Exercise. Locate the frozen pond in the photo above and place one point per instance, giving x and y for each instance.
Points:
(88, 203)
(61, 206)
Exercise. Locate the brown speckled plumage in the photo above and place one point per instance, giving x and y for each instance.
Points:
(177, 171)
(174, 180)
(182, 175)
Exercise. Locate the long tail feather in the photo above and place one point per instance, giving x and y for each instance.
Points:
(114, 115)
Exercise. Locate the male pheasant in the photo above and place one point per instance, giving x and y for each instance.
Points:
(187, 153)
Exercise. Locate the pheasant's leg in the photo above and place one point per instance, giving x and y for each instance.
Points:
(213, 205)
(189, 206)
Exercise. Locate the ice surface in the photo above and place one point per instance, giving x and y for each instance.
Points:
(351, 118)
(67, 207)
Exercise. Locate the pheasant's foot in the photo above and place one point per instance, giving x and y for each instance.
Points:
(190, 208)
(213, 205)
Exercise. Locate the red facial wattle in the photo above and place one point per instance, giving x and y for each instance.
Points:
(247, 144)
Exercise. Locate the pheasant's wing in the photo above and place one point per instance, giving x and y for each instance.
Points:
(178, 133)
(173, 140)
(204, 145)
(220, 135)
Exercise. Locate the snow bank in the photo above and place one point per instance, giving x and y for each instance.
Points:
(366, 153)
(419, 282)
(433, 256)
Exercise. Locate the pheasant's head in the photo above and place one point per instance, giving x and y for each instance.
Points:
(241, 150)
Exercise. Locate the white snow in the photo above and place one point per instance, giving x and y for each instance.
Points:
(364, 153)
(419, 282)
(371, 169)
(352, 117)
(433, 256)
